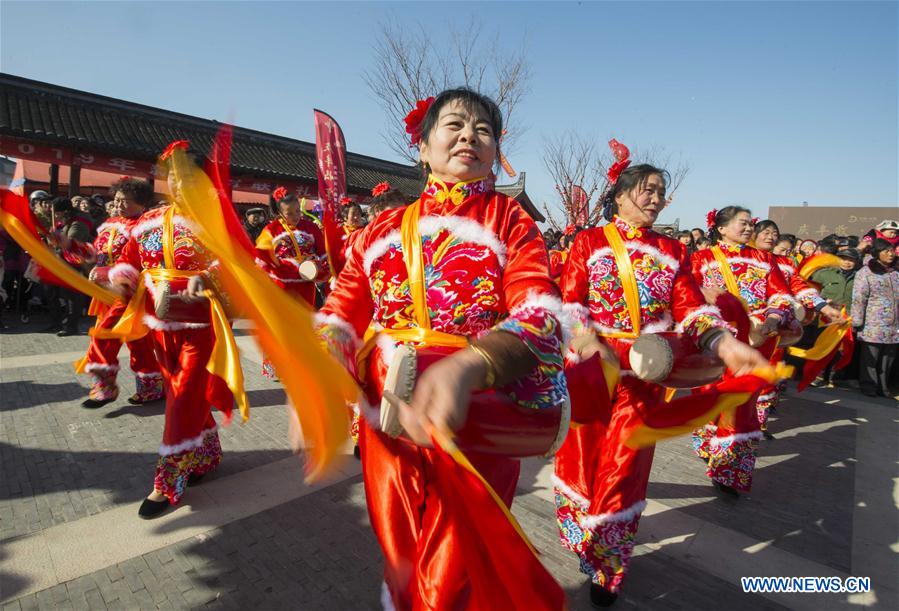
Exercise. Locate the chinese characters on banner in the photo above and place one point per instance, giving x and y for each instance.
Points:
(330, 158)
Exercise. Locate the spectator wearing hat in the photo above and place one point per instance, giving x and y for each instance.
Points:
(885, 230)
(875, 314)
(41, 204)
(254, 222)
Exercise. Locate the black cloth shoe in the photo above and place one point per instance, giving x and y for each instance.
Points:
(726, 490)
(95, 403)
(767, 435)
(135, 399)
(152, 509)
(818, 383)
(600, 597)
(357, 453)
(194, 478)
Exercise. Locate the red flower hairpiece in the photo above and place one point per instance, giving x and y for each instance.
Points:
(710, 218)
(124, 177)
(380, 189)
(622, 156)
(279, 194)
(570, 230)
(177, 144)
(415, 118)
(345, 201)
(755, 220)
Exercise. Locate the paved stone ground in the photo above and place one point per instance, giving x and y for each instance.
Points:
(813, 505)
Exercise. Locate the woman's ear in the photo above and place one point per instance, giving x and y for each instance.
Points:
(423, 153)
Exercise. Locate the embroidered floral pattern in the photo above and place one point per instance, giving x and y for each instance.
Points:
(731, 462)
(268, 370)
(103, 386)
(604, 551)
(173, 470)
(767, 400)
(460, 191)
(118, 235)
(149, 387)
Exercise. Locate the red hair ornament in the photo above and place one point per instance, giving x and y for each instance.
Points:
(279, 194)
(380, 189)
(415, 118)
(623, 160)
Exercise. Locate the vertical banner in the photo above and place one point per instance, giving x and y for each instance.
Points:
(580, 206)
(330, 162)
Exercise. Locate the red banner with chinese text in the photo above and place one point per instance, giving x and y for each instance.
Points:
(330, 163)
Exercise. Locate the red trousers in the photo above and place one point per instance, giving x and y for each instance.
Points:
(422, 568)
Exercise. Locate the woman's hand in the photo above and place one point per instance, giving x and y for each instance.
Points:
(195, 289)
(771, 325)
(441, 396)
(711, 295)
(833, 314)
(740, 358)
(589, 344)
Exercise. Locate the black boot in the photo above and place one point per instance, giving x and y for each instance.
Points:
(726, 490)
(95, 403)
(601, 597)
(152, 509)
(767, 435)
(195, 478)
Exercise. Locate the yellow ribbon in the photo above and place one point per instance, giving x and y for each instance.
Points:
(168, 237)
(415, 267)
(645, 436)
(818, 262)
(628, 281)
(826, 343)
(109, 246)
(224, 362)
(51, 262)
(727, 273)
(318, 387)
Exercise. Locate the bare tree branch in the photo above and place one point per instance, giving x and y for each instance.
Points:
(573, 160)
(407, 66)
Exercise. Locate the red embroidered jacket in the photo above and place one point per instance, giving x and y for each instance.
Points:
(670, 299)
(280, 256)
(762, 285)
(486, 269)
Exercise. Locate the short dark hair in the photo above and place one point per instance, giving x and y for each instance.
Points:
(471, 100)
(880, 245)
(141, 191)
(722, 218)
(763, 225)
(62, 204)
(787, 237)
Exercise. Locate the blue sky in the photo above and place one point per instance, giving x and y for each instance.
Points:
(770, 103)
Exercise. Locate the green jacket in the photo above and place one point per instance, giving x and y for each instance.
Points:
(835, 286)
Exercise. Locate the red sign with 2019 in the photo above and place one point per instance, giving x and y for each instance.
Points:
(21, 149)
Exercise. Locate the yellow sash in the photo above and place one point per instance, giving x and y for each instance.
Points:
(415, 266)
(826, 343)
(727, 273)
(293, 239)
(628, 282)
(51, 262)
(168, 237)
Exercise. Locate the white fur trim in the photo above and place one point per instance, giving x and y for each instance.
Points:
(156, 221)
(786, 270)
(635, 246)
(746, 260)
(123, 271)
(570, 492)
(806, 293)
(121, 228)
(386, 601)
(592, 521)
(666, 323)
(100, 367)
(709, 310)
(767, 397)
(387, 347)
(187, 444)
(465, 229)
(320, 319)
(717, 441)
(151, 374)
(171, 325)
(151, 287)
(783, 296)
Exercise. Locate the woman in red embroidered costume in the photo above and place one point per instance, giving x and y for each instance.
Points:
(557, 257)
(291, 249)
(600, 483)
(484, 278)
(166, 269)
(131, 198)
(766, 237)
(758, 289)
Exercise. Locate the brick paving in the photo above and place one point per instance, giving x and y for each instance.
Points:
(60, 463)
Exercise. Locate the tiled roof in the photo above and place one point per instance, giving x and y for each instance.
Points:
(60, 116)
